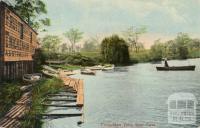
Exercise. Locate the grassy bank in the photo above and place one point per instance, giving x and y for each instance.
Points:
(92, 54)
(32, 118)
(66, 67)
(140, 57)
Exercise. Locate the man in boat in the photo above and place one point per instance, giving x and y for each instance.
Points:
(166, 64)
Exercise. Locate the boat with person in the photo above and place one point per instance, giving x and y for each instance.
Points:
(175, 68)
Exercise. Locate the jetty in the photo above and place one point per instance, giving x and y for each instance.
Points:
(73, 93)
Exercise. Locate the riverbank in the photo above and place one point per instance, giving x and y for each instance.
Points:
(21, 108)
(29, 113)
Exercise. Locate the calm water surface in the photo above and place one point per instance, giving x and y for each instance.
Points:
(132, 94)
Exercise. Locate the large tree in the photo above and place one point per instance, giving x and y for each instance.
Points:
(115, 50)
(74, 36)
(157, 50)
(30, 11)
(132, 36)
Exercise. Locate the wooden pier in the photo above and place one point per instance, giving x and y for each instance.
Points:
(77, 85)
(74, 92)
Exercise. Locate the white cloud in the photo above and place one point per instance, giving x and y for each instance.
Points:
(139, 8)
(105, 17)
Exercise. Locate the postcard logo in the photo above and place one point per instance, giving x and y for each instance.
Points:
(182, 108)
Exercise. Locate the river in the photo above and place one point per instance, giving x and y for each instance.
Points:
(133, 95)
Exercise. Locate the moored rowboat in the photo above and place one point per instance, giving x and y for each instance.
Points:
(109, 67)
(176, 68)
(98, 67)
(32, 77)
(88, 72)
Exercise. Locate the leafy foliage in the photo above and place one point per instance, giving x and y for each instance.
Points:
(30, 10)
(181, 47)
(51, 43)
(39, 59)
(115, 50)
(157, 51)
(141, 56)
(9, 94)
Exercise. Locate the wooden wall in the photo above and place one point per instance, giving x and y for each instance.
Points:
(1, 41)
(18, 42)
(15, 70)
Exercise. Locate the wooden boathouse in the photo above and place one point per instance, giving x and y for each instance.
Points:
(18, 42)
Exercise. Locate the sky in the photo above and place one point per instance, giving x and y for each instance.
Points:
(163, 18)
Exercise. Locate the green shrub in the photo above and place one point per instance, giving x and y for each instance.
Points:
(9, 94)
(115, 50)
(140, 56)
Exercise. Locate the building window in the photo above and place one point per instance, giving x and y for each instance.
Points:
(31, 37)
(21, 31)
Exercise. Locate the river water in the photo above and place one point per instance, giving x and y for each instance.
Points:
(133, 96)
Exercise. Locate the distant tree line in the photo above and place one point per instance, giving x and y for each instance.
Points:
(119, 50)
(182, 47)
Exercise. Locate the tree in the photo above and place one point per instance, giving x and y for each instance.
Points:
(157, 51)
(30, 10)
(181, 41)
(74, 36)
(132, 36)
(64, 48)
(170, 50)
(115, 50)
(50, 43)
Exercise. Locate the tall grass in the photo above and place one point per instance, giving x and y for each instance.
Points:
(91, 54)
(9, 94)
(39, 92)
